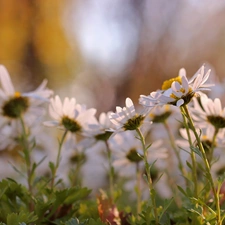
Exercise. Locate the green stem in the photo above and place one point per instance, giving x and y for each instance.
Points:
(207, 165)
(111, 171)
(148, 172)
(58, 158)
(213, 145)
(138, 188)
(193, 157)
(27, 158)
(75, 175)
(174, 146)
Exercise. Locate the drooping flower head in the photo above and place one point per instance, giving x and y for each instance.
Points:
(70, 116)
(178, 91)
(126, 118)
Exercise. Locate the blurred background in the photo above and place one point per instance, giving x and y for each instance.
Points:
(102, 51)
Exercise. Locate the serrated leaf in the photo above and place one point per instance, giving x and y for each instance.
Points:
(76, 194)
(21, 218)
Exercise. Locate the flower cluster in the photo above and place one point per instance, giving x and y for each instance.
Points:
(173, 142)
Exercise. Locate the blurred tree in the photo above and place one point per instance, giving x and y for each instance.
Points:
(33, 42)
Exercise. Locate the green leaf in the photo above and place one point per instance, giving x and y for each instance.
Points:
(189, 165)
(41, 160)
(74, 221)
(76, 194)
(95, 222)
(197, 151)
(21, 218)
(145, 178)
(51, 166)
(201, 202)
(182, 190)
(167, 203)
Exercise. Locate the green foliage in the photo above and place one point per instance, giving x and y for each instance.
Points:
(48, 200)
(48, 205)
(14, 198)
(73, 222)
(95, 222)
(21, 218)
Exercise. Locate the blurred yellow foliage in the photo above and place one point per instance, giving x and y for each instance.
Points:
(14, 29)
(33, 39)
(49, 37)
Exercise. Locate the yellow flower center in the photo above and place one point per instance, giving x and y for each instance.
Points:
(204, 137)
(17, 94)
(173, 96)
(167, 84)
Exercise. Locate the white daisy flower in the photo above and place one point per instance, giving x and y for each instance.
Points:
(178, 91)
(127, 151)
(14, 104)
(160, 114)
(207, 111)
(100, 131)
(103, 129)
(206, 135)
(68, 115)
(126, 118)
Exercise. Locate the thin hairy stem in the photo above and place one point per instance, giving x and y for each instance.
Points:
(111, 171)
(207, 165)
(174, 146)
(138, 188)
(54, 171)
(148, 173)
(26, 152)
(193, 156)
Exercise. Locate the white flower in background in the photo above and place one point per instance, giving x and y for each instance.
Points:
(127, 151)
(207, 111)
(103, 129)
(128, 158)
(160, 114)
(15, 104)
(126, 118)
(98, 132)
(178, 91)
(68, 115)
(207, 138)
(8, 136)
